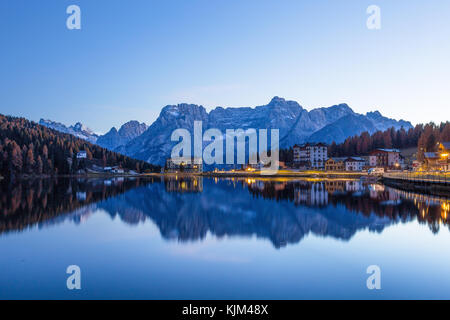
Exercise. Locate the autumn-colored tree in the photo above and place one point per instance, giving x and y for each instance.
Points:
(424, 137)
(39, 165)
(89, 154)
(30, 161)
(445, 133)
(16, 157)
(45, 152)
(104, 161)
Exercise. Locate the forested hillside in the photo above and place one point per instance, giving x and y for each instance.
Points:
(29, 148)
(424, 137)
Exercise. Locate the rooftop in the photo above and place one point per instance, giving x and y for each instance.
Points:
(309, 144)
(338, 159)
(387, 150)
(355, 159)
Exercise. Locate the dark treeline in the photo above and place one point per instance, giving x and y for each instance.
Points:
(424, 137)
(27, 148)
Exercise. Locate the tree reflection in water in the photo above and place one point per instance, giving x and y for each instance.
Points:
(186, 209)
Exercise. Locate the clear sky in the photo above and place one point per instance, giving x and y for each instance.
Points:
(131, 58)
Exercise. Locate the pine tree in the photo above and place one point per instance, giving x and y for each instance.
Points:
(30, 161)
(16, 157)
(39, 165)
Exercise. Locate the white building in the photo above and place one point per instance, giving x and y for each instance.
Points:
(82, 155)
(354, 164)
(311, 155)
(184, 165)
(385, 158)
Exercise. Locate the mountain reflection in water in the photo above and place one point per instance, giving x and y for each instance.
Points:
(186, 209)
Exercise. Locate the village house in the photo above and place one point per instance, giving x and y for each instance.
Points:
(444, 154)
(430, 160)
(117, 170)
(345, 164)
(439, 160)
(114, 169)
(444, 148)
(335, 164)
(311, 155)
(354, 164)
(82, 155)
(385, 158)
(366, 162)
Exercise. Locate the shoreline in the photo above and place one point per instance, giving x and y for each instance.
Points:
(430, 189)
(288, 174)
(239, 174)
(424, 188)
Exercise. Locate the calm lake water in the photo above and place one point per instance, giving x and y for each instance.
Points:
(221, 239)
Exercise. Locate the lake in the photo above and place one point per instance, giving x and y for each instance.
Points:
(210, 238)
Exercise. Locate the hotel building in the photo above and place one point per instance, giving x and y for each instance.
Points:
(311, 155)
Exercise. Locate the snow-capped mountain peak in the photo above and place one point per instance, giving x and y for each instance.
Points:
(79, 130)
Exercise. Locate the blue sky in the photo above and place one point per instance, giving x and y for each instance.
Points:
(131, 58)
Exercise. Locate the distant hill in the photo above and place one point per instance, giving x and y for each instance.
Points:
(29, 148)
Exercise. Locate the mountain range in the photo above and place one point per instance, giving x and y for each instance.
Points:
(111, 140)
(296, 125)
(78, 130)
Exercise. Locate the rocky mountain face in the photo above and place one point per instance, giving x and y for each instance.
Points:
(79, 130)
(354, 123)
(381, 122)
(296, 125)
(154, 145)
(127, 132)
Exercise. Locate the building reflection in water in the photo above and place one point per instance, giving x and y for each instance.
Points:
(335, 186)
(183, 184)
(312, 195)
(187, 209)
(374, 198)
